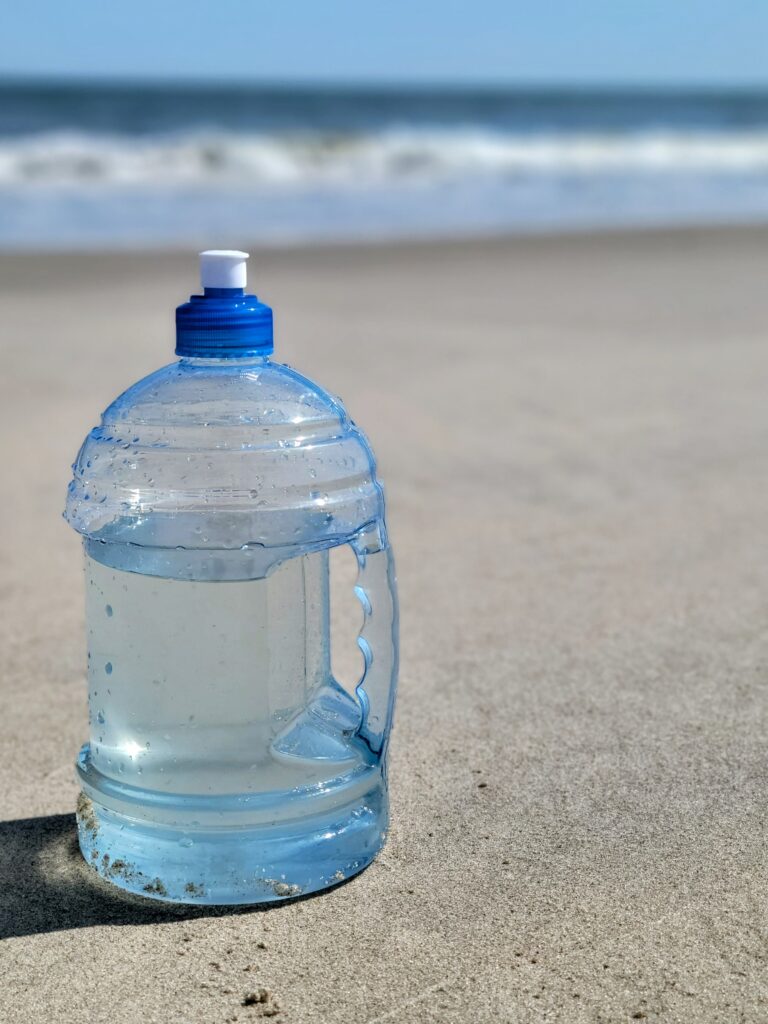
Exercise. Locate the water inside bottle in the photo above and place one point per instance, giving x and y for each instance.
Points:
(217, 687)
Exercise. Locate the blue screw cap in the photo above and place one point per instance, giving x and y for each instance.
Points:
(223, 321)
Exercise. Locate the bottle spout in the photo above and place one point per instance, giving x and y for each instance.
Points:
(223, 268)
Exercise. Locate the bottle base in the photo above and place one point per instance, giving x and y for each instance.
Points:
(232, 865)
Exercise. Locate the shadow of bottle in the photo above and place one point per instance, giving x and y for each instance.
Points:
(46, 886)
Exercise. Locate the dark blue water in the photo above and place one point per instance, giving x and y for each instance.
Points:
(95, 164)
(148, 109)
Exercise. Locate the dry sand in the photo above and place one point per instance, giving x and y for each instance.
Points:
(574, 435)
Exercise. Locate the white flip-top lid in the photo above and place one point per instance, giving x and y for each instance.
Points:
(223, 268)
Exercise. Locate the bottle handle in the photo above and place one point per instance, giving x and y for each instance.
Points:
(376, 590)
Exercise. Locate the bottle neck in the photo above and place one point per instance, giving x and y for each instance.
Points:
(224, 361)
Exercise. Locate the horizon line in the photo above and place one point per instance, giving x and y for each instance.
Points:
(382, 84)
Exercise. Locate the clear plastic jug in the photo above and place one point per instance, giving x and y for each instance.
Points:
(225, 764)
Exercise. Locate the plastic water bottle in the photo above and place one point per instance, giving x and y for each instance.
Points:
(225, 763)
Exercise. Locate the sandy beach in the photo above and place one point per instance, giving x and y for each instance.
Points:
(573, 433)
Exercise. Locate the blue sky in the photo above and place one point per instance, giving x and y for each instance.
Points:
(584, 41)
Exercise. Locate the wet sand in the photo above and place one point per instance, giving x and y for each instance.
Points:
(574, 437)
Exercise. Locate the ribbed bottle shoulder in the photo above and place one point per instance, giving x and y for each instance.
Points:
(222, 455)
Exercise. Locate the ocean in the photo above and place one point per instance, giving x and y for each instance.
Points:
(96, 165)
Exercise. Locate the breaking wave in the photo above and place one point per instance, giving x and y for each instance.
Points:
(207, 159)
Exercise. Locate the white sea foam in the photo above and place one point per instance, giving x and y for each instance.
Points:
(205, 159)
